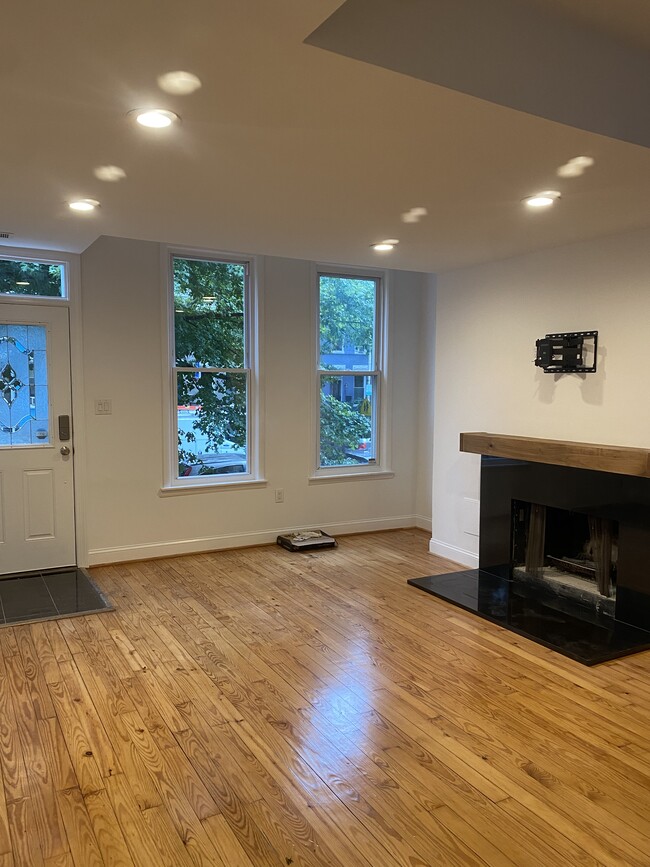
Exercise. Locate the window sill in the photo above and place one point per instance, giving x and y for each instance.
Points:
(181, 490)
(350, 477)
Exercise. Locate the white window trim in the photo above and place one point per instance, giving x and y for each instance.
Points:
(40, 257)
(381, 469)
(254, 478)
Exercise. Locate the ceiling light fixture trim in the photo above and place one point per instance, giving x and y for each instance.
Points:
(154, 118)
(385, 246)
(83, 205)
(544, 199)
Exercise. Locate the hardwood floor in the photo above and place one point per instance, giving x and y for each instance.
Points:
(257, 707)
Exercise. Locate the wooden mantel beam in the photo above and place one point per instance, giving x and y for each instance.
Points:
(588, 456)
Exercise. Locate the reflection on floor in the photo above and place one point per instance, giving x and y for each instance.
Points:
(44, 595)
(562, 625)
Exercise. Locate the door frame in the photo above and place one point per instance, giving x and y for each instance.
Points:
(72, 302)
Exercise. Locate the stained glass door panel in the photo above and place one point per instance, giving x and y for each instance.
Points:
(24, 406)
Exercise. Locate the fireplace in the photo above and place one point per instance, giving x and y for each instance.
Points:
(564, 546)
(571, 553)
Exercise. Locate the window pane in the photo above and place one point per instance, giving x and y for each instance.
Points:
(209, 316)
(346, 420)
(347, 323)
(24, 409)
(212, 435)
(31, 278)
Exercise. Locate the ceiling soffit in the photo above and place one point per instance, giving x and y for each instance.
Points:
(531, 56)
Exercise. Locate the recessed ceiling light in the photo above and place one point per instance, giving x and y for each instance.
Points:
(414, 215)
(110, 174)
(180, 82)
(570, 171)
(575, 167)
(84, 205)
(383, 247)
(155, 118)
(542, 200)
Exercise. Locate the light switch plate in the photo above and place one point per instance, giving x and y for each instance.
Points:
(103, 407)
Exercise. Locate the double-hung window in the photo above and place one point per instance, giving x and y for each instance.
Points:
(213, 372)
(350, 373)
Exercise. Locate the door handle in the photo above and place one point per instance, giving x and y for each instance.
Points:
(65, 451)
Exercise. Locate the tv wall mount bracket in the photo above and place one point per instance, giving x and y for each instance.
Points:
(565, 352)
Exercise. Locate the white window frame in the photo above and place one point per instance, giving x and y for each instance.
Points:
(172, 484)
(381, 415)
(31, 256)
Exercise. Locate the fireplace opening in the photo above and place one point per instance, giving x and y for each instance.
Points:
(573, 554)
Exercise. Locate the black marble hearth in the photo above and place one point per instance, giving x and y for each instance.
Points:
(591, 627)
(560, 624)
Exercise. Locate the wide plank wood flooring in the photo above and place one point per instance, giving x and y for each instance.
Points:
(257, 707)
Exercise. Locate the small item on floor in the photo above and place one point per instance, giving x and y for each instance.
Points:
(306, 540)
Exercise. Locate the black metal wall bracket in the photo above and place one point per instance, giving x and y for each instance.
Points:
(565, 352)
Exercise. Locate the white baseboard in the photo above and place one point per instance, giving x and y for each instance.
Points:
(152, 550)
(451, 552)
(422, 522)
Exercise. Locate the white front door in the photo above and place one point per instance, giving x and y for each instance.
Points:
(36, 460)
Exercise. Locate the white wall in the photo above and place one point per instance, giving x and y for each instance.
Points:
(126, 518)
(424, 466)
(488, 319)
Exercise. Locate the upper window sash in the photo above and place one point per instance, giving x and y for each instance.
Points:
(247, 321)
(340, 344)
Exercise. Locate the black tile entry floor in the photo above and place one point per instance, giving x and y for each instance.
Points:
(559, 624)
(44, 595)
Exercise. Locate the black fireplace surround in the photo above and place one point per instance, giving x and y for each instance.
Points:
(494, 592)
(624, 499)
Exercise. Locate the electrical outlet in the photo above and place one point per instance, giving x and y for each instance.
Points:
(103, 407)
(279, 495)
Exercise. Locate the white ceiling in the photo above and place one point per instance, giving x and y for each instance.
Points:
(626, 19)
(287, 149)
(531, 56)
